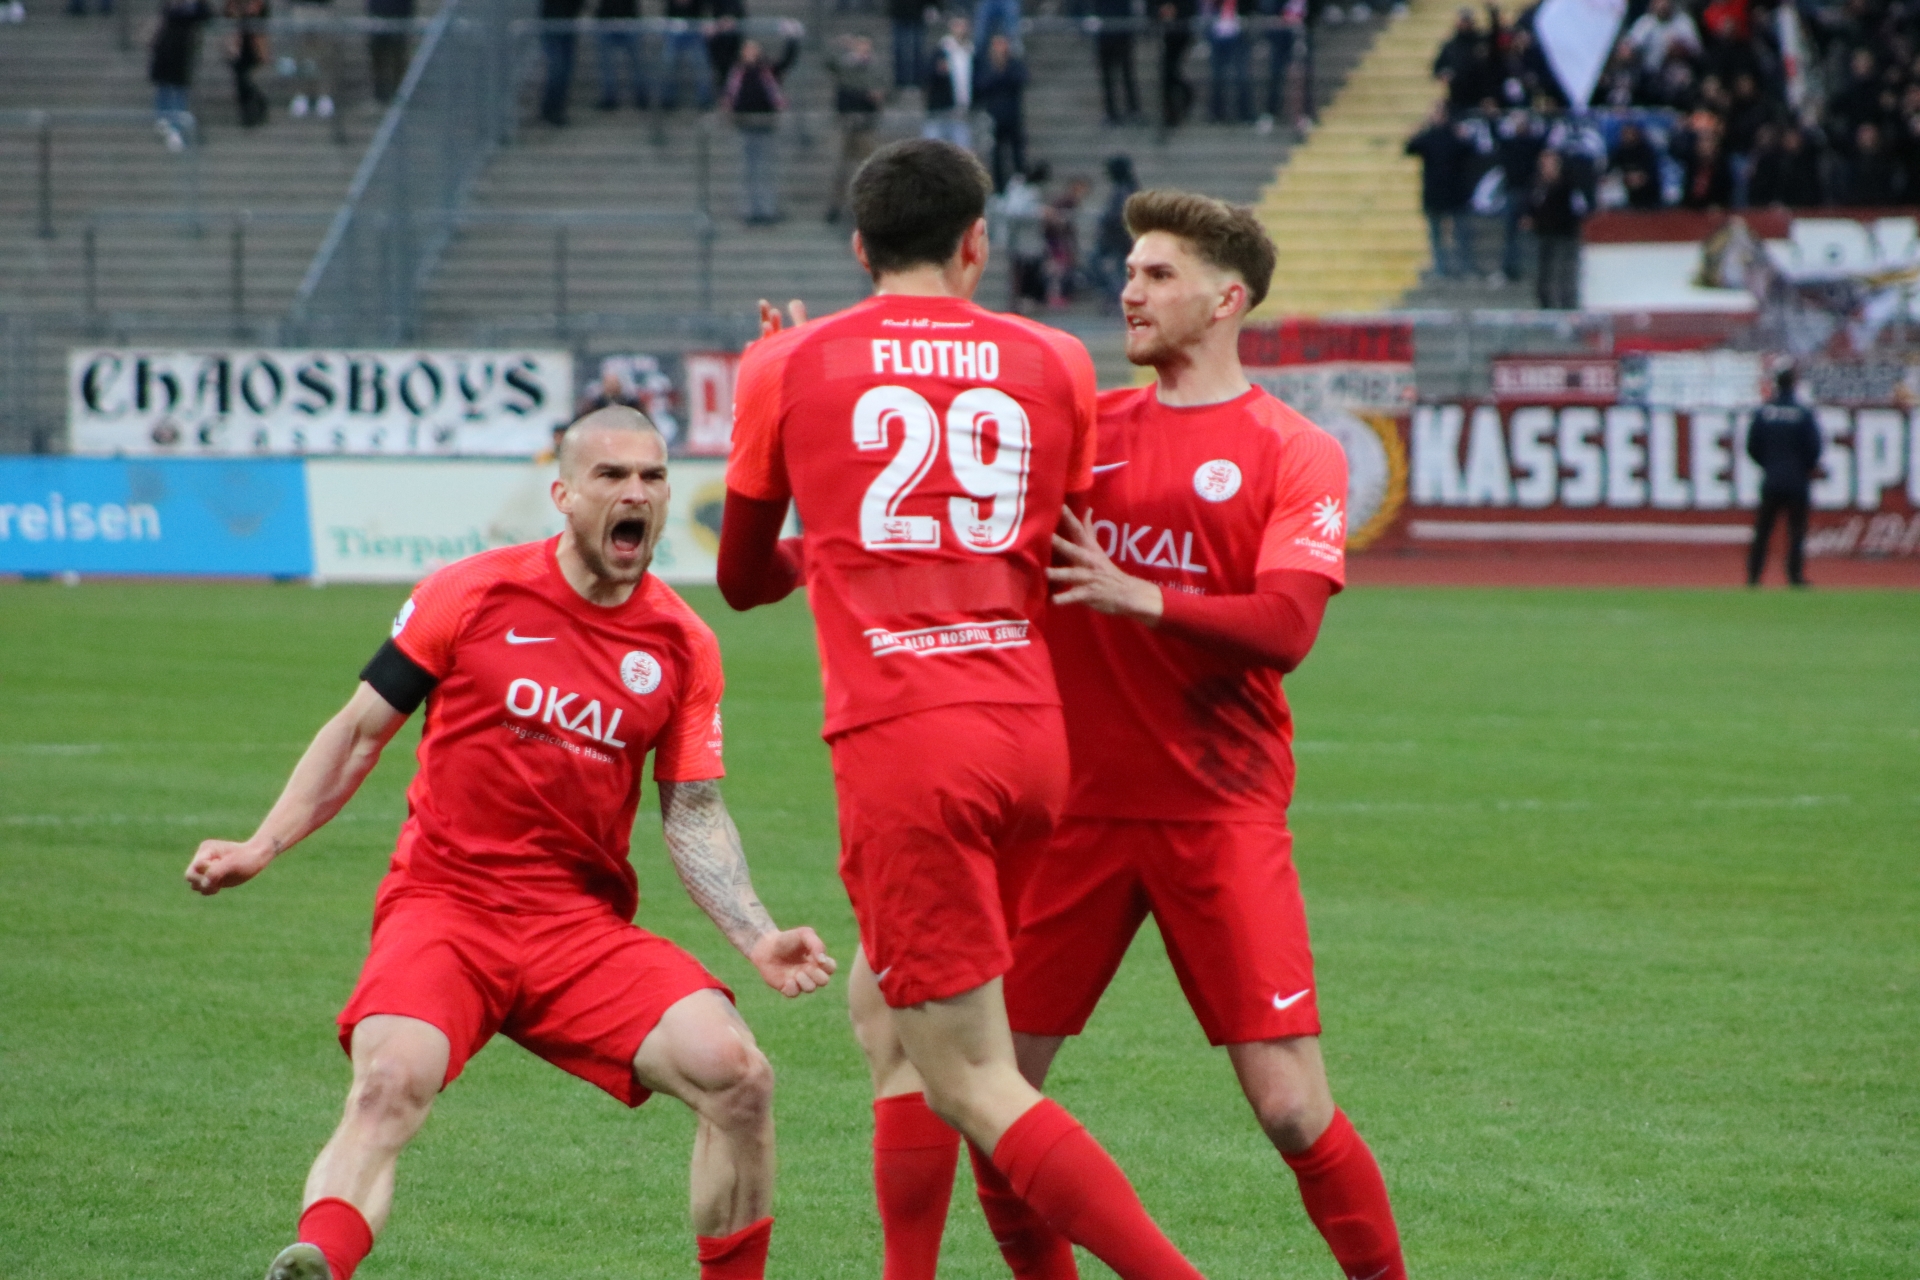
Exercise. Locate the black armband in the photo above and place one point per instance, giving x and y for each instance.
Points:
(403, 682)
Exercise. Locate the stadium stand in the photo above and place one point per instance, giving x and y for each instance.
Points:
(207, 245)
(609, 163)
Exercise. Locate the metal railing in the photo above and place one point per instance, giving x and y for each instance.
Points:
(451, 111)
(41, 123)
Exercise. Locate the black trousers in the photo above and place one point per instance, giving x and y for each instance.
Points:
(1116, 73)
(1772, 503)
(1559, 282)
(1009, 150)
(1176, 95)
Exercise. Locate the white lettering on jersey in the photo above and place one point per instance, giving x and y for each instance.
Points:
(527, 698)
(943, 358)
(959, 637)
(1126, 543)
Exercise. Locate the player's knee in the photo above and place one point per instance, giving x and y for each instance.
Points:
(740, 1086)
(392, 1093)
(1292, 1114)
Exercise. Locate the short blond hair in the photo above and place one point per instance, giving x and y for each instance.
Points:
(1227, 236)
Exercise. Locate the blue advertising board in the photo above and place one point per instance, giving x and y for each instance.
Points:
(185, 516)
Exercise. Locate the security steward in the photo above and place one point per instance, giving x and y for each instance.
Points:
(1785, 440)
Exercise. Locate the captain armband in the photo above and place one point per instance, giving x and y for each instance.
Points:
(403, 682)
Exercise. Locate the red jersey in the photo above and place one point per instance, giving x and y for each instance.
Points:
(928, 444)
(535, 735)
(1201, 500)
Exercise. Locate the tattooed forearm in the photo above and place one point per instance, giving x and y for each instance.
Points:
(705, 846)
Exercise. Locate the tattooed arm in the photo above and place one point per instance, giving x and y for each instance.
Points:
(705, 846)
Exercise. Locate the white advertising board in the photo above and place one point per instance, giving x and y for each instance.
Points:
(255, 401)
(397, 520)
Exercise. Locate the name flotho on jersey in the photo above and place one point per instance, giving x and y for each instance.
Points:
(962, 637)
(937, 358)
(1147, 545)
(531, 700)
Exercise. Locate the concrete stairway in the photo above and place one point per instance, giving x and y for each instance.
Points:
(156, 280)
(1346, 210)
(626, 161)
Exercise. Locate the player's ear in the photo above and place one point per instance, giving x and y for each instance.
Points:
(973, 245)
(860, 253)
(562, 497)
(1233, 299)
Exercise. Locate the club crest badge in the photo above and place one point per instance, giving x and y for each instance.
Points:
(1218, 480)
(640, 672)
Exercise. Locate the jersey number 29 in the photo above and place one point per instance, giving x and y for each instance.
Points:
(986, 522)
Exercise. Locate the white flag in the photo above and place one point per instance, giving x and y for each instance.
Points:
(1577, 37)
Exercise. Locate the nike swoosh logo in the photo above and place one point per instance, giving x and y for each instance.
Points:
(514, 639)
(1291, 1000)
(1109, 466)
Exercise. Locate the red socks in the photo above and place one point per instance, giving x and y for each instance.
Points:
(1347, 1199)
(740, 1256)
(1034, 1250)
(338, 1230)
(1056, 1166)
(914, 1154)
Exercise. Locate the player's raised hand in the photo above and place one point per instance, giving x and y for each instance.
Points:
(770, 321)
(1092, 578)
(222, 864)
(793, 961)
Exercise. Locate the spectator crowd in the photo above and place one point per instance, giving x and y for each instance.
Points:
(1722, 104)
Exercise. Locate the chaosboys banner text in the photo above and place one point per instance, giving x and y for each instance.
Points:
(254, 401)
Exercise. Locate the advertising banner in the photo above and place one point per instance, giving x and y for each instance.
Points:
(1354, 380)
(252, 401)
(709, 387)
(379, 520)
(107, 516)
(1627, 473)
(1645, 448)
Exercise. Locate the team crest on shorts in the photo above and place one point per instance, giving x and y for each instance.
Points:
(640, 671)
(1218, 480)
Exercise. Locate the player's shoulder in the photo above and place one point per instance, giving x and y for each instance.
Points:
(1125, 402)
(1061, 343)
(471, 575)
(669, 604)
(777, 347)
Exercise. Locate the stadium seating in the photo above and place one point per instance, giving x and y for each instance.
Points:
(1345, 212)
(159, 278)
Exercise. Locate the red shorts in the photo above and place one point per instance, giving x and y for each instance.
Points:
(581, 989)
(940, 812)
(1226, 899)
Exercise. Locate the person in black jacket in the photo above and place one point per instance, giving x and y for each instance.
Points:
(1785, 440)
(754, 100)
(1113, 47)
(1446, 152)
(1176, 37)
(176, 47)
(616, 47)
(557, 46)
(1000, 90)
(387, 54)
(1555, 210)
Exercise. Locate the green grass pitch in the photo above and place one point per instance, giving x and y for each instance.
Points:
(1616, 898)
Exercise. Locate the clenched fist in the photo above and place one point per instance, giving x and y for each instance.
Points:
(221, 864)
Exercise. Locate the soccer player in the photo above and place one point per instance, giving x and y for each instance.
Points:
(549, 671)
(928, 444)
(1196, 579)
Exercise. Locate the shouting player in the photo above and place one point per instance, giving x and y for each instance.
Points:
(928, 445)
(549, 671)
(1196, 580)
